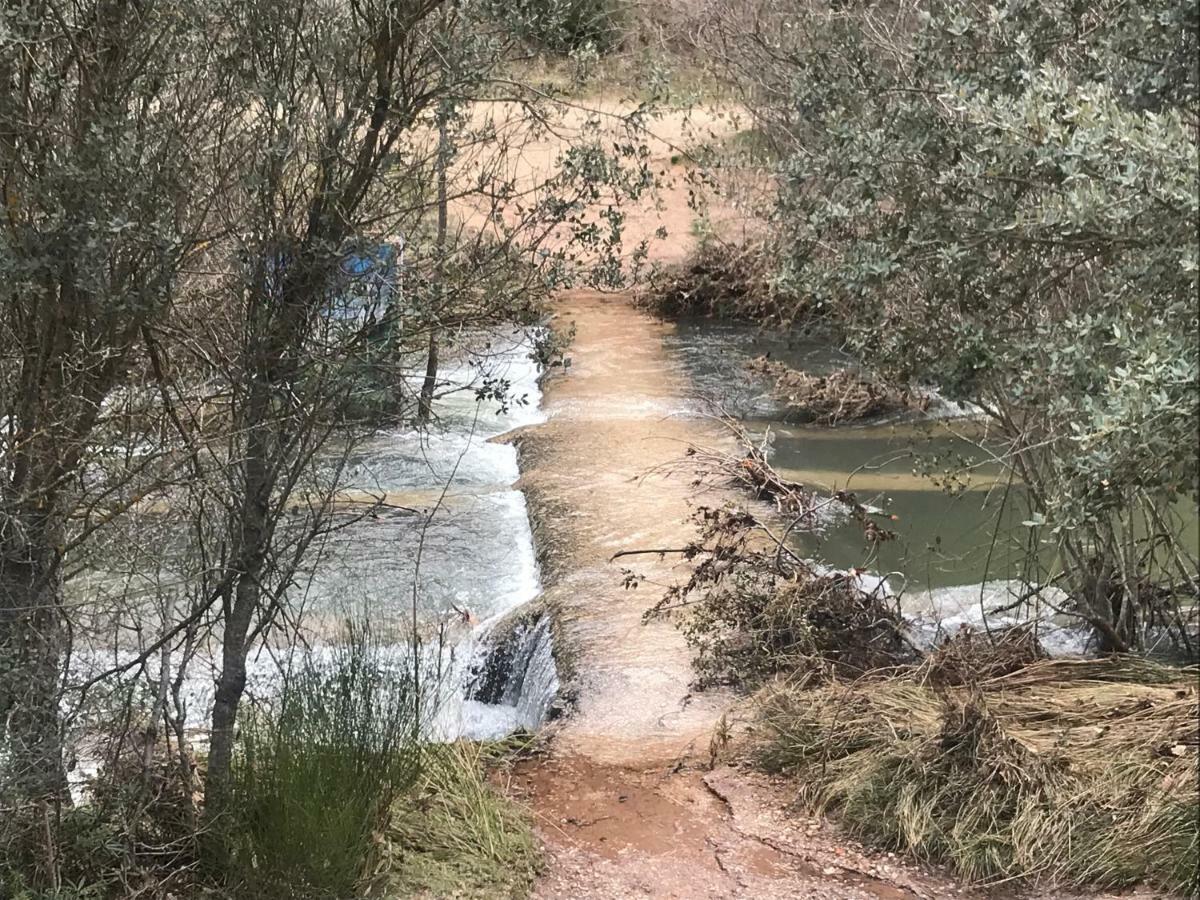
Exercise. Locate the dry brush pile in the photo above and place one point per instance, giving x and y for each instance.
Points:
(752, 607)
(728, 281)
(843, 395)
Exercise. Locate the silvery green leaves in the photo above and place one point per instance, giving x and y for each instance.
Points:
(1002, 202)
(563, 26)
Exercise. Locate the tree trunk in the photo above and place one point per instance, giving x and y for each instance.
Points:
(33, 652)
(425, 406)
(243, 600)
(231, 684)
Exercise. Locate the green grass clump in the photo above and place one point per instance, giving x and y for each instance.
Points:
(337, 794)
(458, 835)
(1064, 772)
(316, 775)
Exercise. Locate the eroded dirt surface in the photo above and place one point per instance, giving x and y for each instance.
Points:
(679, 832)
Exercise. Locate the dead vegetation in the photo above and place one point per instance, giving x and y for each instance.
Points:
(803, 508)
(750, 627)
(844, 395)
(1068, 772)
(971, 656)
(728, 281)
(752, 607)
(981, 753)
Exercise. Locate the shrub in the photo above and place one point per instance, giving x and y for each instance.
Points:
(131, 827)
(89, 856)
(318, 771)
(1000, 202)
(562, 26)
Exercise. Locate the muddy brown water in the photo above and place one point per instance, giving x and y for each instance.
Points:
(589, 481)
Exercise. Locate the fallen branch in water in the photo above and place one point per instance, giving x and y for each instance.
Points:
(654, 552)
(752, 471)
(756, 604)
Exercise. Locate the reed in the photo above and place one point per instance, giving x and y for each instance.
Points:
(458, 834)
(318, 771)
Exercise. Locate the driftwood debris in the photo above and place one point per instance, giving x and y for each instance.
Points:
(844, 395)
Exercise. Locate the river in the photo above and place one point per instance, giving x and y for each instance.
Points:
(640, 392)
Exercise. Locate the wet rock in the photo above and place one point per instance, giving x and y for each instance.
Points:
(517, 668)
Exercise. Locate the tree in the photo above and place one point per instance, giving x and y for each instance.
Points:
(1002, 203)
(181, 383)
(106, 114)
(345, 113)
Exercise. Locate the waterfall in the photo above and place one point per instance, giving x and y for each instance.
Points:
(514, 682)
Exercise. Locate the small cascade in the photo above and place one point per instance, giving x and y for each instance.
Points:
(514, 682)
(436, 532)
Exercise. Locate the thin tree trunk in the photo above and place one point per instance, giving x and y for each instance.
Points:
(425, 406)
(158, 713)
(243, 600)
(34, 647)
(33, 653)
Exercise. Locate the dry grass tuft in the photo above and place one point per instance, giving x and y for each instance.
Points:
(1069, 772)
(971, 656)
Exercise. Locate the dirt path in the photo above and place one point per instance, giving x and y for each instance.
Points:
(625, 802)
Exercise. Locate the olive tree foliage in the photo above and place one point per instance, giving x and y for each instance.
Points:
(107, 122)
(343, 109)
(564, 26)
(1001, 201)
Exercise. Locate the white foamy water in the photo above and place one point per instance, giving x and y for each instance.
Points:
(936, 613)
(448, 500)
(470, 531)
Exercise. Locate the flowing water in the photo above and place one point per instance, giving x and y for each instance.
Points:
(960, 553)
(639, 393)
(431, 529)
(449, 541)
(453, 539)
